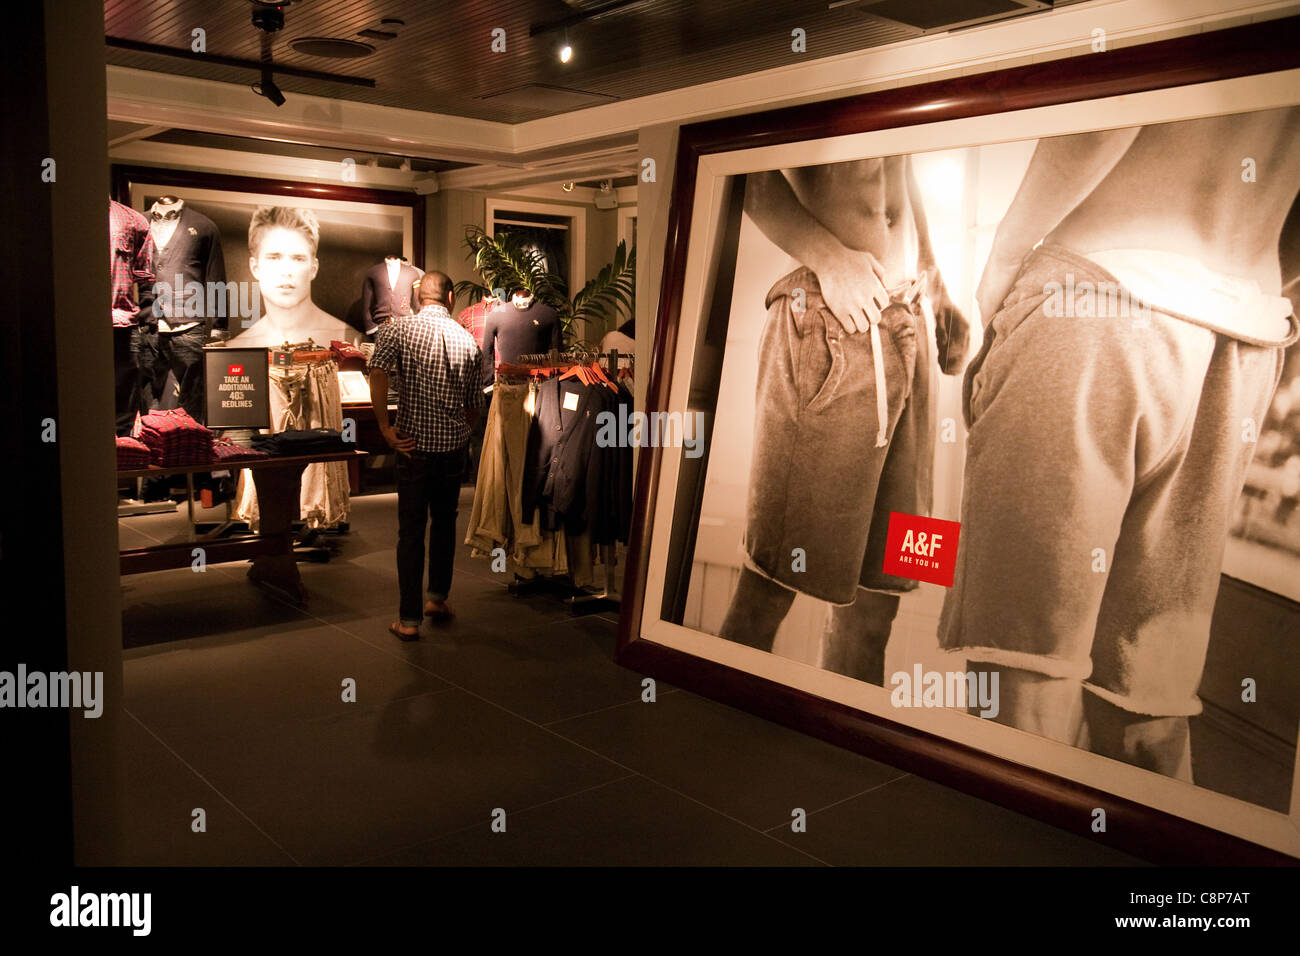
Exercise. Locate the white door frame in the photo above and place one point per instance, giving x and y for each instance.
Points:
(625, 216)
(577, 216)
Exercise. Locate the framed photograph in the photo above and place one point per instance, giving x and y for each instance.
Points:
(358, 227)
(996, 464)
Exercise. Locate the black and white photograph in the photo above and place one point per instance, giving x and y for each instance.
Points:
(1079, 348)
(348, 239)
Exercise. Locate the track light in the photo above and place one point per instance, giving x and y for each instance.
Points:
(566, 53)
(268, 89)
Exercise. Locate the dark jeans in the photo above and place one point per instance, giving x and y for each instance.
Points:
(129, 351)
(476, 436)
(181, 354)
(428, 489)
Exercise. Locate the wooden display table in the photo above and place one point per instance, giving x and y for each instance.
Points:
(278, 482)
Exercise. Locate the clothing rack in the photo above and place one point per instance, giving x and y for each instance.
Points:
(301, 353)
(535, 365)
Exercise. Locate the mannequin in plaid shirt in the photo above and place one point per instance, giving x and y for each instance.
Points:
(440, 392)
(130, 270)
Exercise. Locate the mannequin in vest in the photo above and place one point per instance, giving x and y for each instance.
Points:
(187, 259)
(389, 292)
(521, 326)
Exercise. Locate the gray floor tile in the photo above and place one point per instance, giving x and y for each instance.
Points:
(916, 822)
(161, 794)
(748, 768)
(244, 681)
(631, 822)
(545, 671)
(344, 788)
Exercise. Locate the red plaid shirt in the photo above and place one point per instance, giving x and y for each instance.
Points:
(473, 318)
(130, 259)
(174, 438)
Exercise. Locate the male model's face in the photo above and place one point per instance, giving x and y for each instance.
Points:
(284, 267)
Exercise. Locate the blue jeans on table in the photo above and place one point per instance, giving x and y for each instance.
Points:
(428, 490)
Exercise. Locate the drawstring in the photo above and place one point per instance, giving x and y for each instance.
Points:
(882, 400)
(905, 295)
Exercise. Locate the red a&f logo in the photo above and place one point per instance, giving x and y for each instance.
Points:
(235, 370)
(920, 548)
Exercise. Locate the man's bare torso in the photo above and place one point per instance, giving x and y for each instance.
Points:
(865, 204)
(1179, 188)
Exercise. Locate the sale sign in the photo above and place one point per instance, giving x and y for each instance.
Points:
(920, 548)
(237, 387)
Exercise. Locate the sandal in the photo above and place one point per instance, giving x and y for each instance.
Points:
(439, 611)
(396, 630)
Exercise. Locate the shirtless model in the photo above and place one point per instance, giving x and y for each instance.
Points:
(282, 246)
(844, 429)
(282, 243)
(1105, 455)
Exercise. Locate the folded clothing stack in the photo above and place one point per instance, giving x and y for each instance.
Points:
(132, 455)
(309, 441)
(225, 451)
(174, 438)
(346, 350)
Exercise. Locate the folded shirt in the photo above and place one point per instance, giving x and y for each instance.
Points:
(308, 441)
(225, 451)
(132, 455)
(174, 438)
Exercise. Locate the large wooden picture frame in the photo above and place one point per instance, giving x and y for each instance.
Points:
(1239, 70)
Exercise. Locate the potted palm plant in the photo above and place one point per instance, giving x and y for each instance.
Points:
(508, 261)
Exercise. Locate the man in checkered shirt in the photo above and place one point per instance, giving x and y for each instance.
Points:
(438, 369)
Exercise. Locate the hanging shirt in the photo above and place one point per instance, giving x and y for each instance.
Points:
(130, 260)
(568, 476)
(473, 319)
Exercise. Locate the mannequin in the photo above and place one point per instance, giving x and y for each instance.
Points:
(131, 278)
(522, 325)
(389, 291)
(189, 262)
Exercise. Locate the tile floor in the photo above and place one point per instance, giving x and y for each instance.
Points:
(235, 705)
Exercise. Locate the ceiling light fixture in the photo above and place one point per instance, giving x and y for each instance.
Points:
(567, 187)
(268, 89)
(566, 51)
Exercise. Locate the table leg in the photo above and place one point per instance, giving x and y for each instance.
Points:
(278, 492)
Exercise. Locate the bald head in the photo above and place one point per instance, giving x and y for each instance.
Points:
(435, 288)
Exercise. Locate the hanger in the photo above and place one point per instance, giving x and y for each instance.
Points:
(600, 376)
(579, 372)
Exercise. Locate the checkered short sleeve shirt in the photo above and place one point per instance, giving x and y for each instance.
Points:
(438, 368)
